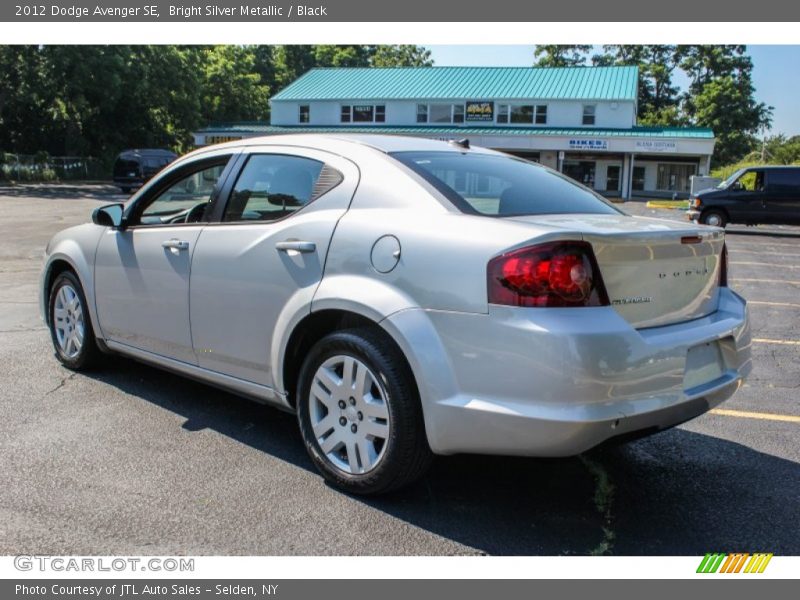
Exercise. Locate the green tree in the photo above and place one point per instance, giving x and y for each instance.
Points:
(232, 89)
(561, 56)
(658, 99)
(721, 95)
(404, 55)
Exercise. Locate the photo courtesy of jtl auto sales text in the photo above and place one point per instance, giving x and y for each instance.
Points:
(356, 299)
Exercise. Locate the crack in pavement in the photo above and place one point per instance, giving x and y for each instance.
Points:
(603, 501)
(63, 382)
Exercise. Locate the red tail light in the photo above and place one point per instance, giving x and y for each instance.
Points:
(723, 267)
(550, 274)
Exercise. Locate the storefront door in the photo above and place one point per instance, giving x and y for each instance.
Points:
(580, 170)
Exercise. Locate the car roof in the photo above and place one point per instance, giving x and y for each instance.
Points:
(338, 142)
(772, 167)
(147, 151)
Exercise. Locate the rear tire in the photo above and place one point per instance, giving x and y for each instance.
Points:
(715, 218)
(360, 414)
(70, 324)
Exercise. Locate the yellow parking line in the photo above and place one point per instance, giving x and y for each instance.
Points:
(772, 341)
(760, 264)
(765, 303)
(754, 415)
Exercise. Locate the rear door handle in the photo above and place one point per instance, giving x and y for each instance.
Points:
(296, 245)
(175, 244)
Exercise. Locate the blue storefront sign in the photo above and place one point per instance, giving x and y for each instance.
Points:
(578, 144)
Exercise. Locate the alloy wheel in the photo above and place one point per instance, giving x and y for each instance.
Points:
(68, 322)
(349, 414)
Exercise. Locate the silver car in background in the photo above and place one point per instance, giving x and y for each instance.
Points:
(405, 297)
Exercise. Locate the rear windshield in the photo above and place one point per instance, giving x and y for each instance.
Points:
(156, 162)
(499, 185)
(124, 166)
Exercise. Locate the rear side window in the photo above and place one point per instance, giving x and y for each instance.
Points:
(500, 186)
(783, 180)
(272, 186)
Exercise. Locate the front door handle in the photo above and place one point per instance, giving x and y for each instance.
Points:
(296, 245)
(175, 244)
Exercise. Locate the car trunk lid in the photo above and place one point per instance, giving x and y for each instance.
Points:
(656, 272)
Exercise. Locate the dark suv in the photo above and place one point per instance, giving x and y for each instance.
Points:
(753, 195)
(133, 167)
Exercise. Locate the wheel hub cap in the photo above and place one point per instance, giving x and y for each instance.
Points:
(68, 321)
(349, 414)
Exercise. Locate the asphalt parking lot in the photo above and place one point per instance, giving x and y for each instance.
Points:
(132, 460)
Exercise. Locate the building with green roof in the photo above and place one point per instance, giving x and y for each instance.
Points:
(579, 120)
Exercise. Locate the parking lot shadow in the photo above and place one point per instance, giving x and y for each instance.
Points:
(763, 233)
(676, 493)
(64, 191)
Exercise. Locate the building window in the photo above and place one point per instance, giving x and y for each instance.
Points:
(527, 114)
(305, 113)
(638, 179)
(363, 113)
(521, 114)
(440, 113)
(613, 173)
(588, 114)
(502, 113)
(674, 177)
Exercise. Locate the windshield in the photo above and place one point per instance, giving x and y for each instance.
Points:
(498, 185)
(729, 181)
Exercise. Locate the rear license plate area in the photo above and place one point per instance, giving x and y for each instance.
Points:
(704, 364)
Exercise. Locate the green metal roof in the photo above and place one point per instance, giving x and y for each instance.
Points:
(261, 128)
(474, 83)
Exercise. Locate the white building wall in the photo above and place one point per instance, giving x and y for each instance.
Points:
(560, 113)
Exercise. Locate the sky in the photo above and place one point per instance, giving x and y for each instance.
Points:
(774, 69)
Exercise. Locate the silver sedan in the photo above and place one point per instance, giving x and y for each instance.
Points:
(405, 298)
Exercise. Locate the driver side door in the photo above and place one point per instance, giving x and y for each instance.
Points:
(747, 198)
(142, 269)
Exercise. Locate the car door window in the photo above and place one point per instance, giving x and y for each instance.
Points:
(185, 200)
(273, 186)
(752, 181)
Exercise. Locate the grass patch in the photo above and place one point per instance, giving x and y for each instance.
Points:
(672, 204)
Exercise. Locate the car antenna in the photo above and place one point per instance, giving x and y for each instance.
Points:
(462, 143)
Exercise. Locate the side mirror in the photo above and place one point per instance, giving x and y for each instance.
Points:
(109, 215)
(737, 186)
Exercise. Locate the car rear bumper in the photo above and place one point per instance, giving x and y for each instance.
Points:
(556, 382)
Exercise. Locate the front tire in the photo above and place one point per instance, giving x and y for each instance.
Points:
(360, 415)
(70, 326)
(715, 218)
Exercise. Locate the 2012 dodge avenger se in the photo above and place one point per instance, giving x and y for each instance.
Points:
(405, 298)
